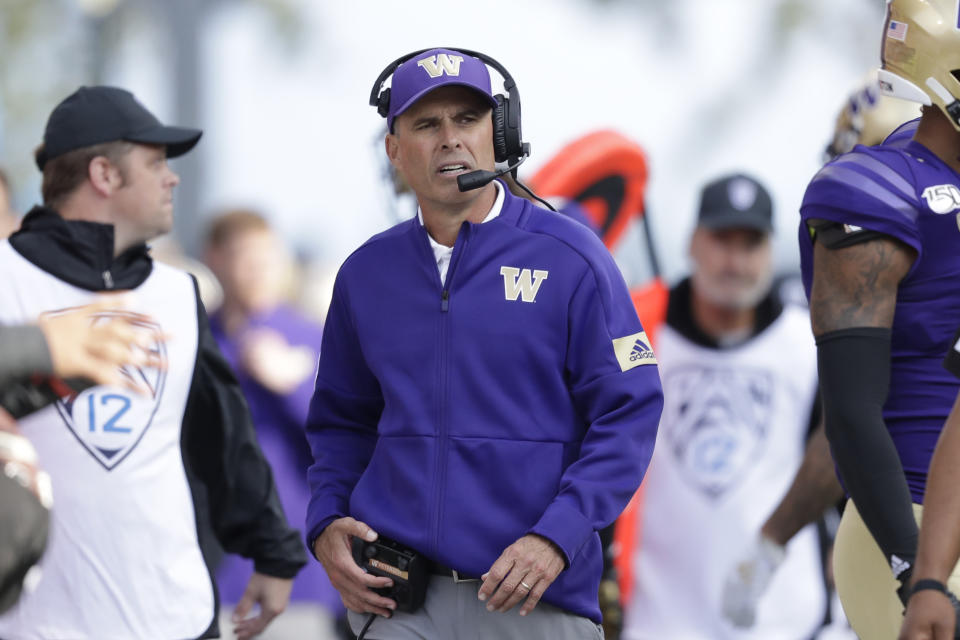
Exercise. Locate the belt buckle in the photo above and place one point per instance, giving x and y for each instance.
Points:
(457, 579)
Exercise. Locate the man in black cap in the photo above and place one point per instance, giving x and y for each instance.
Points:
(739, 376)
(144, 482)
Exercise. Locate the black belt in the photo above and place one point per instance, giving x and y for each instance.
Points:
(438, 569)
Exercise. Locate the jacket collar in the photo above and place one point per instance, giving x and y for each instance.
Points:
(511, 210)
(80, 252)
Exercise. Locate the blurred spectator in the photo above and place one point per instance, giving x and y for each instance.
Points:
(868, 117)
(8, 217)
(273, 350)
(739, 376)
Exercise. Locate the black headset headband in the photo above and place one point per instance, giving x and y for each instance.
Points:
(509, 85)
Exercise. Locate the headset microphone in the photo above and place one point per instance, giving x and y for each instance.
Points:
(477, 179)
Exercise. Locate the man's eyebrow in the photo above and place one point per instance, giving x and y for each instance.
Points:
(424, 120)
(429, 119)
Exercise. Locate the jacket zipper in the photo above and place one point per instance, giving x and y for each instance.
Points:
(444, 335)
(107, 279)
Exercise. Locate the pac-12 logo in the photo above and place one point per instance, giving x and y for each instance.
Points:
(110, 421)
(942, 198)
(715, 423)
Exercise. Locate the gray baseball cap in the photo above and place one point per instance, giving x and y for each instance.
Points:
(735, 201)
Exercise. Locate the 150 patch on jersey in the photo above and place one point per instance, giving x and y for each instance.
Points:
(110, 421)
(942, 198)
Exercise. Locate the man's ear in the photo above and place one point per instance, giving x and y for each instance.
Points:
(392, 148)
(104, 177)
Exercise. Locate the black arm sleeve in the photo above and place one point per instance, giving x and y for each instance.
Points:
(952, 361)
(854, 367)
(235, 483)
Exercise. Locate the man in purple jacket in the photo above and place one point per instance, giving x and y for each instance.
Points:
(879, 252)
(486, 395)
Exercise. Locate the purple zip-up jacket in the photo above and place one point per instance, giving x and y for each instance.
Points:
(519, 396)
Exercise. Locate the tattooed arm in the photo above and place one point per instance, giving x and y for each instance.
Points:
(852, 306)
(856, 286)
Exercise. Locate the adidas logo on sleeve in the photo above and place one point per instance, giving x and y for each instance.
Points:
(633, 351)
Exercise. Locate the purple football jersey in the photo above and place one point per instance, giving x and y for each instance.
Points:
(952, 362)
(903, 190)
(902, 135)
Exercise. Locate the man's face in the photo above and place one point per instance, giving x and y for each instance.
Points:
(732, 267)
(446, 133)
(253, 268)
(144, 203)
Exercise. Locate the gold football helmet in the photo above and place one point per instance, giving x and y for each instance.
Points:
(921, 54)
(867, 117)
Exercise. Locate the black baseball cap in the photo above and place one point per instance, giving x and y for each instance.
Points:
(736, 201)
(94, 115)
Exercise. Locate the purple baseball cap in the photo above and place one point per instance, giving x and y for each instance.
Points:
(435, 68)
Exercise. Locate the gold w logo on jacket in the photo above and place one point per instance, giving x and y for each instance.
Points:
(437, 65)
(522, 283)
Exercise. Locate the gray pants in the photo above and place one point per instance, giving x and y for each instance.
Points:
(453, 612)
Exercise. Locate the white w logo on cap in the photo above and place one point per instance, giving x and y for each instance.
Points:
(437, 65)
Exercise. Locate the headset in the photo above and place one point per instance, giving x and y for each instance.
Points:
(508, 145)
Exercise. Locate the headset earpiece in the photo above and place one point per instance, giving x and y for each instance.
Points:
(513, 146)
(383, 102)
(499, 129)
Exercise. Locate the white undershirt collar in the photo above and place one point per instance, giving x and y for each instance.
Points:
(442, 253)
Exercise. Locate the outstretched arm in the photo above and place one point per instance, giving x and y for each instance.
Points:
(815, 488)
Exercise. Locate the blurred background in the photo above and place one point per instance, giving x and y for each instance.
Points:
(280, 88)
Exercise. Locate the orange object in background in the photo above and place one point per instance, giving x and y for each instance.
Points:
(650, 301)
(606, 175)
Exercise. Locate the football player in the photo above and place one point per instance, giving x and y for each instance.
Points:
(878, 245)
